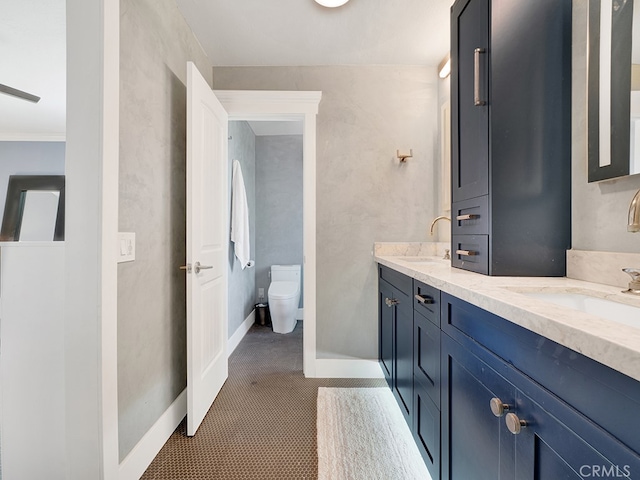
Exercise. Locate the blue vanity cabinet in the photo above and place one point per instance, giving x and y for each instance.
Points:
(500, 422)
(395, 326)
(511, 136)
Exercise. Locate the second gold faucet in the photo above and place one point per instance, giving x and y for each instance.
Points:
(435, 220)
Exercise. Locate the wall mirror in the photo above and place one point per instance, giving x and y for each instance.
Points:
(613, 89)
(34, 210)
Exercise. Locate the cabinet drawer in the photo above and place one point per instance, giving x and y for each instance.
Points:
(470, 217)
(397, 279)
(426, 356)
(426, 300)
(426, 429)
(470, 252)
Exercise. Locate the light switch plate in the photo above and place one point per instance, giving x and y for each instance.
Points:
(126, 247)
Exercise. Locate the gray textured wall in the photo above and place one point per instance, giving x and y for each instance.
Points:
(28, 158)
(279, 204)
(599, 216)
(242, 147)
(363, 194)
(155, 44)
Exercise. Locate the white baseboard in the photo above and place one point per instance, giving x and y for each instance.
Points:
(139, 459)
(348, 368)
(240, 332)
(300, 314)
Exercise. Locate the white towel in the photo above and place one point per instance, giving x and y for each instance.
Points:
(239, 217)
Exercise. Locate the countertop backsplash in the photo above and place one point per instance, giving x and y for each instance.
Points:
(601, 267)
(410, 249)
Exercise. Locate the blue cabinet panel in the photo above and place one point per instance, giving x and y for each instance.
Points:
(386, 327)
(426, 353)
(474, 443)
(395, 337)
(426, 429)
(470, 118)
(403, 379)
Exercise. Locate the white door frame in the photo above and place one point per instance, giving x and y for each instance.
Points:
(287, 106)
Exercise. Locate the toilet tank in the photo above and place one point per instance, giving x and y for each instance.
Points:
(285, 273)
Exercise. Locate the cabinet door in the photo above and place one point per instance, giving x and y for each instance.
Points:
(426, 429)
(470, 99)
(403, 379)
(475, 443)
(559, 443)
(385, 330)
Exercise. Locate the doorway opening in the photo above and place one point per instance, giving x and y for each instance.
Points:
(300, 107)
(269, 157)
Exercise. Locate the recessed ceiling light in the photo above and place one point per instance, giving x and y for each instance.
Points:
(331, 3)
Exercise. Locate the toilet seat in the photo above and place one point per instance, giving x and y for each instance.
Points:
(282, 290)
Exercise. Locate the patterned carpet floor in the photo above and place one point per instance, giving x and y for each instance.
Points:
(263, 423)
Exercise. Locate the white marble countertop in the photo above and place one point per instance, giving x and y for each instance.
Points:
(611, 343)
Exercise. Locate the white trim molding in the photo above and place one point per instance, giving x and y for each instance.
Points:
(253, 102)
(139, 459)
(348, 368)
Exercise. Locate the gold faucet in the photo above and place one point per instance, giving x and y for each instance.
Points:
(435, 220)
(634, 214)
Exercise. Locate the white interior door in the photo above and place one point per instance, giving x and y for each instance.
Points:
(207, 246)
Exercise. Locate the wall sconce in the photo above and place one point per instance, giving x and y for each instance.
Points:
(444, 69)
(403, 154)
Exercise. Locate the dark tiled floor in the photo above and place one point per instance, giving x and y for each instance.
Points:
(263, 423)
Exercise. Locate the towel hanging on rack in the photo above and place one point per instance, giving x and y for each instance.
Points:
(240, 217)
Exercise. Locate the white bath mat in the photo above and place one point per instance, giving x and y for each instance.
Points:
(362, 435)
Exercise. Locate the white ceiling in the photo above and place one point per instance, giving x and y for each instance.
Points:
(301, 32)
(32, 49)
(232, 32)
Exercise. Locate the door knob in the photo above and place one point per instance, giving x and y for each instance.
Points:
(497, 407)
(514, 424)
(197, 267)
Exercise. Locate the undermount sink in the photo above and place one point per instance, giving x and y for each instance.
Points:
(600, 307)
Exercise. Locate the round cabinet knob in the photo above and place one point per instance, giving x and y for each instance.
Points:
(497, 407)
(391, 302)
(514, 424)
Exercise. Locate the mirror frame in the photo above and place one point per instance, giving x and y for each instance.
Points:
(14, 206)
(620, 91)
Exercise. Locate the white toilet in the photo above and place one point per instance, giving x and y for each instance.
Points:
(284, 297)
